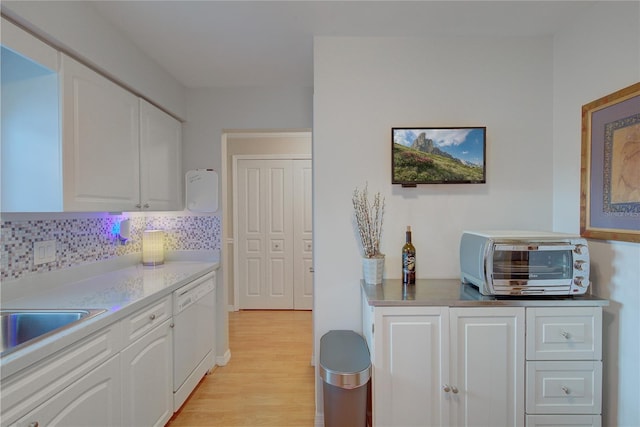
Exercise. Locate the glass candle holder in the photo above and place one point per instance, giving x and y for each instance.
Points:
(153, 247)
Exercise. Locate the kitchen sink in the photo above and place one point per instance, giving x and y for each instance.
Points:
(20, 328)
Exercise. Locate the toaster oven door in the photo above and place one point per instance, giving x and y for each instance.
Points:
(531, 264)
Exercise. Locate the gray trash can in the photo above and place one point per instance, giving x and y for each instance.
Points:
(345, 368)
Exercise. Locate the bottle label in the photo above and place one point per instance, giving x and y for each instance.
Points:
(408, 268)
(409, 262)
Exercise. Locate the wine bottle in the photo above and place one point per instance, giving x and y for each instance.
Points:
(408, 260)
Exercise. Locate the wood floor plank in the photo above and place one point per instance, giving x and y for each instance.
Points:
(269, 380)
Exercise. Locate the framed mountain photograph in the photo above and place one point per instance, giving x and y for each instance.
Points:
(443, 155)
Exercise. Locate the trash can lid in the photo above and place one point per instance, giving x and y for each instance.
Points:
(344, 359)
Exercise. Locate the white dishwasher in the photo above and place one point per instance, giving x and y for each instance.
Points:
(194, 335)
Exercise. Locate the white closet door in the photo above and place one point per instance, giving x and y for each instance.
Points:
(265, 230)
(302, 235)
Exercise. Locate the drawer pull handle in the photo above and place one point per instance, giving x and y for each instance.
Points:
(565, 334)
(565, 390)
(152, 317)
(34, 424)
(446, 388)
(454, 389)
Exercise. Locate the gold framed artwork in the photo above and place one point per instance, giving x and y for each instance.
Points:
(610, 167)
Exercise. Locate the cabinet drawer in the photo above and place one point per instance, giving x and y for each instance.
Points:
(27, 389)
(564, 333)
(146, 319)
(563, 420)
(564, 387)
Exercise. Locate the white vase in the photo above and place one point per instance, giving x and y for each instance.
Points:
(372, 270)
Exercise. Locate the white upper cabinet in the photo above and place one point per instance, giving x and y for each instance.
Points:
(121, 153)
(160, 159)
(75, 141)
(100, 142)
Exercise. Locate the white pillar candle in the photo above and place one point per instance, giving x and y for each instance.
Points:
(153, 247)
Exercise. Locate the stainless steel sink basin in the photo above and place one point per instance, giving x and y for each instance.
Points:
(20, 328)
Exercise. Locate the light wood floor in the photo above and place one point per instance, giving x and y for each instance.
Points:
(269, 380)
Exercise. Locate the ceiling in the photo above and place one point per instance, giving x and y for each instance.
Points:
(270, 43)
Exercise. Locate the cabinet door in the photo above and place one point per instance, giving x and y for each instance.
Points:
(410, 366)
(100, 142)
(93, 400)
(487, 366)
(160, 159)
(147, 378)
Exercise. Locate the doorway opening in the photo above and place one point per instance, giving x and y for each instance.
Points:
(266, 186)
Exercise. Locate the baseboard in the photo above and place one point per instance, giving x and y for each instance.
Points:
(223, 360)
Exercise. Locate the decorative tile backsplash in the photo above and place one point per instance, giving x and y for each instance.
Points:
(85, 240)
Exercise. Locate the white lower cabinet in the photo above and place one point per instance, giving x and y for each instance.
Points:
(564, 366)
(78, 381)
(147, 377)
(485, 366)
(93, 400)
(441, 366)
(410, 365)
(121, 375)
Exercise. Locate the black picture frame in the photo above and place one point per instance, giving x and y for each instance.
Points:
(438, 155)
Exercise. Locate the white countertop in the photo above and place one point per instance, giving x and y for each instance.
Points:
(121, 291)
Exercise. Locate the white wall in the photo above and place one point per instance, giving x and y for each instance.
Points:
(210, 111)
(77, 28)
(365, 86)
(597, 54)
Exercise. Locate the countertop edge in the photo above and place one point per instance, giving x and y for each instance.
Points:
(29, 356)
(452, 293)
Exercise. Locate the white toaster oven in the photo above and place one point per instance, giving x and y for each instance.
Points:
(514, 263)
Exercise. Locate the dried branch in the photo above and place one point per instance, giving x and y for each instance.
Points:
(369, 217)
